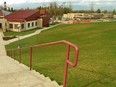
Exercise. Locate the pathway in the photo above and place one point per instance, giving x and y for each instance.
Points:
(29, 35)
(2, 48)
(13, 74)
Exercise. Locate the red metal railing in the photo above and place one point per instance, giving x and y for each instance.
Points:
(67, 61)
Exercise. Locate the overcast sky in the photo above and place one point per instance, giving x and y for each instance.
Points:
(107, 2)
(76, 4)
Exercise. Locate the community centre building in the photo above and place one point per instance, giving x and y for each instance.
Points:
(22, 20)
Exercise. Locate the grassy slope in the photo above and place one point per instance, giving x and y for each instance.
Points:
(11, 33)
(97, 62)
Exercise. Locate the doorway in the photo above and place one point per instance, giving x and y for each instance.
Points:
(0, 25)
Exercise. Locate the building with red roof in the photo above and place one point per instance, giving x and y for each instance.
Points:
(27, 19)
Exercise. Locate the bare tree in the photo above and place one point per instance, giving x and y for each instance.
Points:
(92, 5)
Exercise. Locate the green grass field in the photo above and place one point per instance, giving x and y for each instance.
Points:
(97, 57)
(11, 33)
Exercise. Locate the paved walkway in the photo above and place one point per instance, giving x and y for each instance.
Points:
(2, 48)
(29, 35)
(13, 74)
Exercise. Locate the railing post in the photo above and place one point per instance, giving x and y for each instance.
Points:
(7, 53)
(19, 55)
(66, 66)
(11, 54)
(14, 54)
(30, 58)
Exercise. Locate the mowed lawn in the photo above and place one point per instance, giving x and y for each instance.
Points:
(97, 54)
(11, 33)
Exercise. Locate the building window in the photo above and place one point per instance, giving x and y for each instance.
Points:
(22, 26)
(32, 24)
(16, 26)
(10, 25)
(28, 25)
(35, 23)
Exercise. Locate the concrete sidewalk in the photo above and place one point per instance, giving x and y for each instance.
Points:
(13, 74)
(29, 35)
(2, 48)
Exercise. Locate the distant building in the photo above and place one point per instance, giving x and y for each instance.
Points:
(69, 16)
(86, 17)
(83, 15)
(97, 15)
(107, 16)
(27, 19)
(114, 16)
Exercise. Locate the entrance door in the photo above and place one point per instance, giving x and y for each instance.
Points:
(0, 25)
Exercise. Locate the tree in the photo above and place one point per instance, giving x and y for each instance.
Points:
(105, 11)
(39, 8)
(12, 10)
(98, 11)
(53, 5)
(70, 7)
(92, 5)
(114, 12)
(57, 10)
(66, 10)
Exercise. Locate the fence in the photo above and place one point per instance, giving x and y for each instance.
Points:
(11, 53)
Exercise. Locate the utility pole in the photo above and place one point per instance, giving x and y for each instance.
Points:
(92, 5)
(70, 6)
(4, 16)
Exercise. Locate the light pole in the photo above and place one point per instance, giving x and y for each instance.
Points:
(3, 17)
(18, 35)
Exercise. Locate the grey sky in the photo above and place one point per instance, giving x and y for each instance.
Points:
(108, 2)
(76, 4)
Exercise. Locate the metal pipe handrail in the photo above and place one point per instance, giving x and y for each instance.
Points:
(67, 62)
